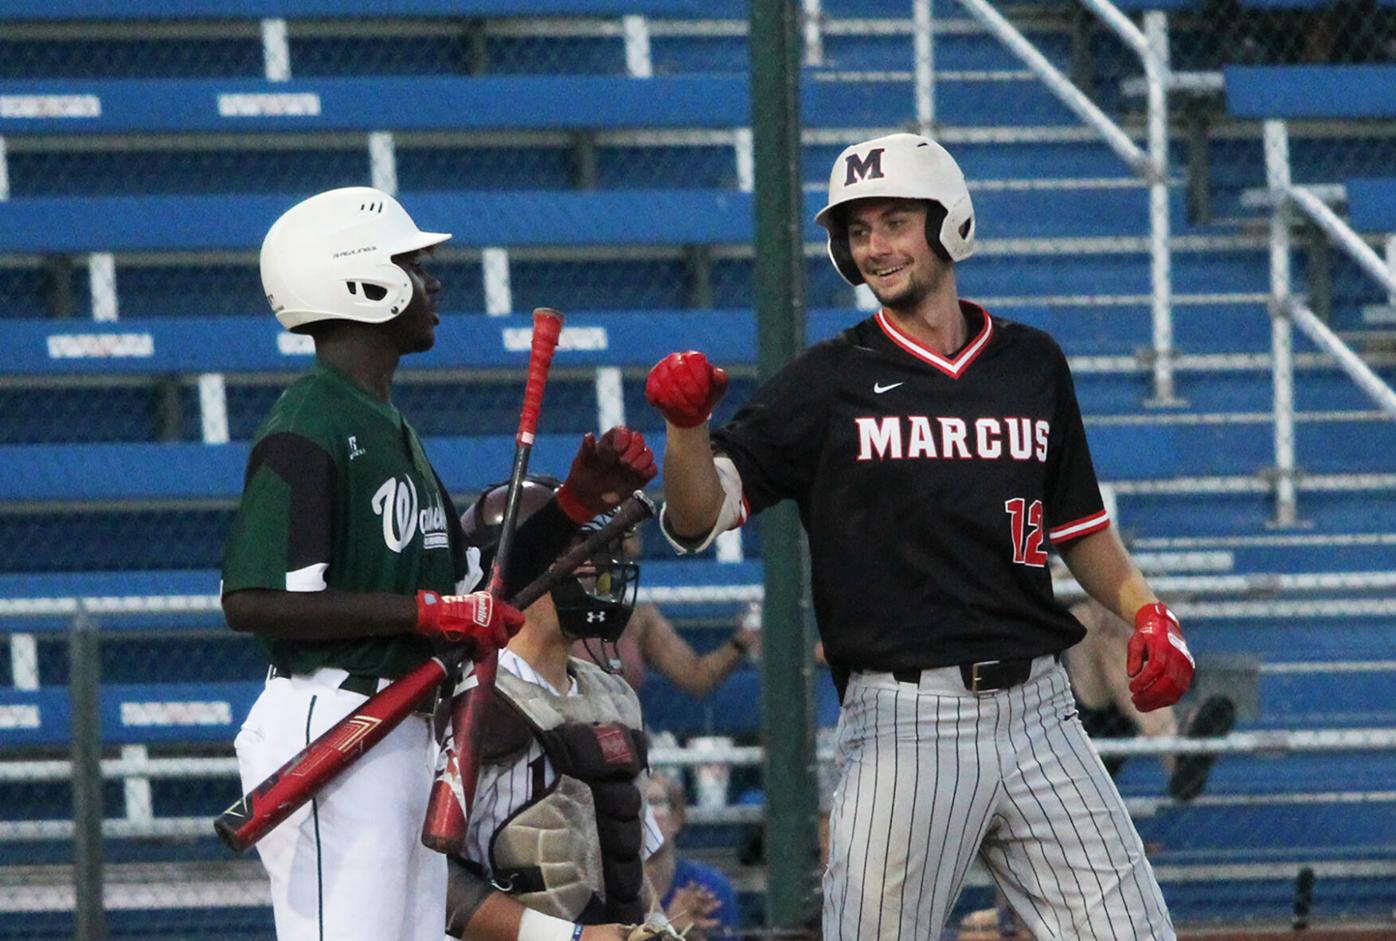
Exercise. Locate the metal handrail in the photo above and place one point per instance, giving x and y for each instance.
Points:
(1151, 45)
(1286, 311)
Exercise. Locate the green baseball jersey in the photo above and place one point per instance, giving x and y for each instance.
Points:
(339, 494)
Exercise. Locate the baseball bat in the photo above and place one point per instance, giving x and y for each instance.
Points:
(453, 791)
(259, 811)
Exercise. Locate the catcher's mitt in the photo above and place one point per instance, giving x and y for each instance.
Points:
(656, 926)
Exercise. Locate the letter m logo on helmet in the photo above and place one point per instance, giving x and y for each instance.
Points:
(864, 168)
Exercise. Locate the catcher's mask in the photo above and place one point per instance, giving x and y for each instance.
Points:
(900, 166)
(594, 604)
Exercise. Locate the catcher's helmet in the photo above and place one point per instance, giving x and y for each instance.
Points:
(597, 602)
(329, 257)
(903, 166)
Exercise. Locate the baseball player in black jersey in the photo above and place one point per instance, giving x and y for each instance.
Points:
(936, 453)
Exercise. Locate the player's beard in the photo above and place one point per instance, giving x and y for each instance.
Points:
(906, 298)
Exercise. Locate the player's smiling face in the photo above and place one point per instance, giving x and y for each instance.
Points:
(887, 239)
(415, 328)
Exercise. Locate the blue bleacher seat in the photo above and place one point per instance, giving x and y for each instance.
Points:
(1311, 91)
(512, 219)
(131, 713)
(1372, 204)
(534, 102)
(214, 223)
(330, 9)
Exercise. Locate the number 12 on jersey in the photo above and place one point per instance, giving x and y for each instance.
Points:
(1026, 523)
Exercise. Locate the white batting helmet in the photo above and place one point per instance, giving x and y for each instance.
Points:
(904, 166)
(330, 258)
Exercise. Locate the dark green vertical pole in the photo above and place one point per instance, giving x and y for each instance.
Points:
(792, 802)
(84, 691)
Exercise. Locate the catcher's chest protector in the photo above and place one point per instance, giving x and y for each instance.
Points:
(574, 851)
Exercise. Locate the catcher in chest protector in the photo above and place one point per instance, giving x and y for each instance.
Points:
(556, 843)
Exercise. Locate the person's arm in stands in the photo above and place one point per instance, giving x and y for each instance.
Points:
(671, 655)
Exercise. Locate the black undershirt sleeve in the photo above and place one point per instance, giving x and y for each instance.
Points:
(310, 473)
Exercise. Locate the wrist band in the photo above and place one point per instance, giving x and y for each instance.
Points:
(535, 926)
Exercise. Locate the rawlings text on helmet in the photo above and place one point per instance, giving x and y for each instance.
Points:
(330, 258)
(900, 166)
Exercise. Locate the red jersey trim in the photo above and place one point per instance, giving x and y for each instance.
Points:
(952, 368)
(1078, 528)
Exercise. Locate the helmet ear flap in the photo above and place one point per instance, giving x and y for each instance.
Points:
(935, 222)
(842, 256)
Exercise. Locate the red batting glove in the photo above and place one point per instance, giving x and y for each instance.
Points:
(478, 620)
(605, 472)
(1160, 666)
(684, 387)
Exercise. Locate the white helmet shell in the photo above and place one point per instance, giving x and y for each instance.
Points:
(902, 166)
(330, 258)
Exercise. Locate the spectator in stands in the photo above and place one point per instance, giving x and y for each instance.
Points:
(346, 559)
(651, 642)
(694, 896)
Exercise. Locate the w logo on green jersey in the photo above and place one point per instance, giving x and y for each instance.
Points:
(396, 503)
(403, 517)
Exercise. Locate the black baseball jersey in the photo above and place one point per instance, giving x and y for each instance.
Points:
(930, 489)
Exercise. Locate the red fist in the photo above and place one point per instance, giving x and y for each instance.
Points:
(684, 387)
(605, 472)
(1160, 666)
(479, 620)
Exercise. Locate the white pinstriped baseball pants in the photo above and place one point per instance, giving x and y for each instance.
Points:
(931, 775)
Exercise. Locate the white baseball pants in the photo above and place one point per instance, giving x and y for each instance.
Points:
(350, 864)
(931, 775)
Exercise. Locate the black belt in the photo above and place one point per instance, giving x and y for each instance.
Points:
(365, 684)
(986, 676)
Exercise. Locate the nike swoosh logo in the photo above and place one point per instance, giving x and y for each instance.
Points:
(879, 388)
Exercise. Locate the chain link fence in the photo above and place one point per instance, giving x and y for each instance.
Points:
(1134, 220)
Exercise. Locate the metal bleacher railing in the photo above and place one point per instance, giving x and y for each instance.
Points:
(1275, 94)
(1297, 621)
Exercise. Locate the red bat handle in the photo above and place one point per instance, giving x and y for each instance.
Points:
(547, 328)
(453, 792)
(445, 827)
(280, 795)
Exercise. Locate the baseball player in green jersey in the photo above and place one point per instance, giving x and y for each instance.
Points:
(346, 559)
